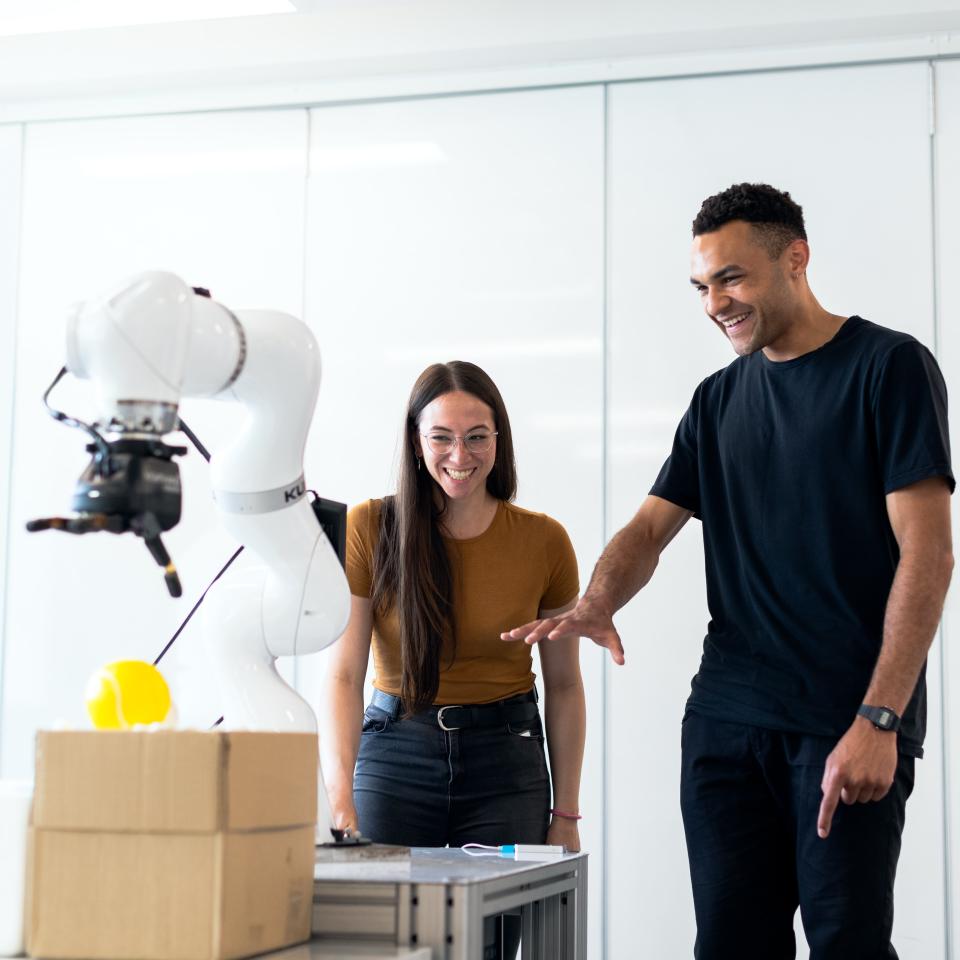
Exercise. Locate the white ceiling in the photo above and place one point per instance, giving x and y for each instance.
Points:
(330, 46)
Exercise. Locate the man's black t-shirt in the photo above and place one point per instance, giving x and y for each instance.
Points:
(787, 465)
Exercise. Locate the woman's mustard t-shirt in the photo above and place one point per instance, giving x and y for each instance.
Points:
(521, 564)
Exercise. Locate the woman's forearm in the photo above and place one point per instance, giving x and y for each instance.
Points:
(566, 722)
(341, 722)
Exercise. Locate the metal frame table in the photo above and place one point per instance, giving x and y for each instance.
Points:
(439, 898)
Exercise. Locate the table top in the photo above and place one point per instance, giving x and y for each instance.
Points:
(430, 865)
(348, 950)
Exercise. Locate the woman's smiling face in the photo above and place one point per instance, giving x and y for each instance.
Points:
(453, 430)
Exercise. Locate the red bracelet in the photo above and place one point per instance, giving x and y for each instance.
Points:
(566, 815)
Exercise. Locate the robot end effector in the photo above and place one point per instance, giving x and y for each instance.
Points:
(129, 485)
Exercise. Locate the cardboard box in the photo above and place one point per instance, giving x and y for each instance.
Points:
(171, 845)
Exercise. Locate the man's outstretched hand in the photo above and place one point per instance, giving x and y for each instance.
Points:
(586, 619)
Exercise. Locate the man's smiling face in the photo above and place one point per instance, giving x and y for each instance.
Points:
(745, 293)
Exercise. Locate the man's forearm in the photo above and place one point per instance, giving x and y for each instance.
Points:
(914, 608)
(624, 568)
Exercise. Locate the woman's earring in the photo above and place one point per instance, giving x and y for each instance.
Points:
(418, 463)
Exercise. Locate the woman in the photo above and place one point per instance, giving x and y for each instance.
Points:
(450, 749)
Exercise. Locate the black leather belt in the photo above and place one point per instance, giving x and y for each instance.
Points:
(519, 709)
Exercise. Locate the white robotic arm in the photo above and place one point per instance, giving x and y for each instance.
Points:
(144, 346)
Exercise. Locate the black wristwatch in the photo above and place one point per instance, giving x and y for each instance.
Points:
(883, 718)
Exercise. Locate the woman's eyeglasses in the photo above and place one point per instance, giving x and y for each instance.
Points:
(480, 441)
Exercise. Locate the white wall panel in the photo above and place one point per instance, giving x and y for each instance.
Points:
(217, 199)
(948, 308)
(10, 151)
(467, 228)
(852, 146)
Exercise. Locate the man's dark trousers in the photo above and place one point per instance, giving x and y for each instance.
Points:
(750, 799)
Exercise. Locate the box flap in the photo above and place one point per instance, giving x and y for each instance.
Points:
(271, 780)
(174, 781)
(119, 780)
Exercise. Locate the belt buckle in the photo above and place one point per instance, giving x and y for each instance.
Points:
(440, 723)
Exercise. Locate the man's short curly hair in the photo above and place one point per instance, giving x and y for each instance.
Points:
(777, 219)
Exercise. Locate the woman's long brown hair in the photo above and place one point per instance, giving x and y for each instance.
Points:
(411, 569)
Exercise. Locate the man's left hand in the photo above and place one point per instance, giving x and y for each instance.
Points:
(860, 769)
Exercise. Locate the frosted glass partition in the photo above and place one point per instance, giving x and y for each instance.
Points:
(852, 146)
(10, 151)
(948, 301)
(467, 228)
(217, 199)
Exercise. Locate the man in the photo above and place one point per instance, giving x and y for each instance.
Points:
(818, 462)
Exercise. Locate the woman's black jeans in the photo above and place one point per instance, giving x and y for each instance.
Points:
(419, 785)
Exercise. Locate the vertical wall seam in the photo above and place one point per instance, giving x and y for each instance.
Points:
(304, 237)
(943, 656)
(8, 506)
(605, 532)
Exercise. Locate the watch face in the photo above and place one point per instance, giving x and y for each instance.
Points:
(883, 718)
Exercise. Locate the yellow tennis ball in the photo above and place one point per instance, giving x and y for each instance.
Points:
(125, 693)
